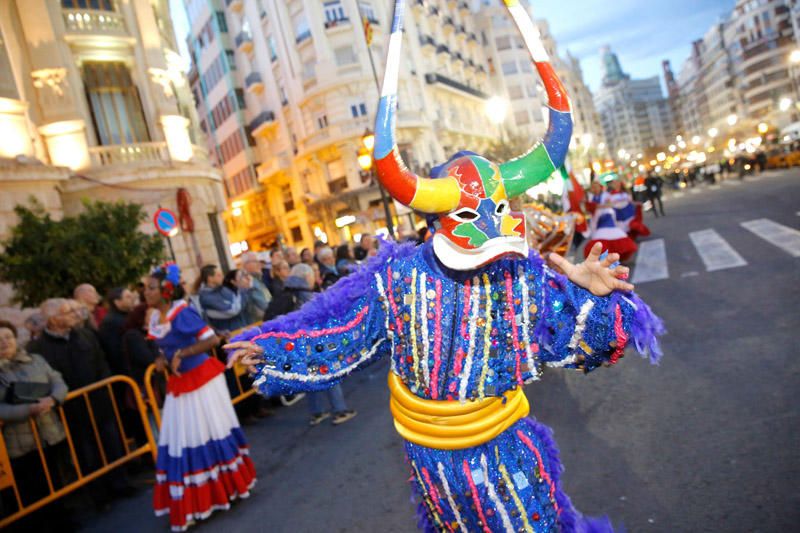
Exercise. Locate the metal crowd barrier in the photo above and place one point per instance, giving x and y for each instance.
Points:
(7, 476)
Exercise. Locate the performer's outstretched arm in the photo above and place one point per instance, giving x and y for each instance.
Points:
(340, 330)
(589, 316)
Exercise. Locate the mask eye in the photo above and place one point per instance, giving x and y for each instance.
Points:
(465, 215)
(502, 207)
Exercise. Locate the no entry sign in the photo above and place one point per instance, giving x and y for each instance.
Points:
(166, 222)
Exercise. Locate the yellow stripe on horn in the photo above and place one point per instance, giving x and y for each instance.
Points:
(436, 195)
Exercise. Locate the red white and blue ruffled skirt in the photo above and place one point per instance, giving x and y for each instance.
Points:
(203, 458)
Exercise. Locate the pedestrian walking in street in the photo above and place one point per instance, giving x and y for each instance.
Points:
(653, 185)
(203, 458)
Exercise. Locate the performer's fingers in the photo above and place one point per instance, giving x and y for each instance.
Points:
(594, 253)
(562, 263)
(237, 345)
(610, 259)
(622, 285)
(622, 272)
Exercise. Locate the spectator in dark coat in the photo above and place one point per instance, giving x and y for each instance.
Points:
(366, 244)
(327, 267)
(120, 301)
(283, 300)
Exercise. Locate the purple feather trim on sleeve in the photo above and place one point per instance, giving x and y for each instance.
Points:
(339, 299)
(646, 327)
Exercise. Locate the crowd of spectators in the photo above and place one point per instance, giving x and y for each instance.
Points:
(78, 341)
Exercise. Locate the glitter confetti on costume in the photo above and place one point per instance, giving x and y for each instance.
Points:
(466, 318)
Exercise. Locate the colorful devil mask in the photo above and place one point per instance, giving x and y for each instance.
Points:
(475, 224)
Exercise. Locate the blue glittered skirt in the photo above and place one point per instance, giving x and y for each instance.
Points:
(510, 483)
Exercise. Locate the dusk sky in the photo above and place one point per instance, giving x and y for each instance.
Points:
(641, 32)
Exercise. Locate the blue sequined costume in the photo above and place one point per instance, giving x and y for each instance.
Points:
(461, 336)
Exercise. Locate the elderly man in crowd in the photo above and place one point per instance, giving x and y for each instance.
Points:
(87, 295)
(291, 256)
(259, 296)
(362, 251)
(76, 354)
(327, 267)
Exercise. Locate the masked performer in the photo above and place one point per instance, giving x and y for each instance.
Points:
(203, 462)
(604, 229)
(467, 318)
(628, 212)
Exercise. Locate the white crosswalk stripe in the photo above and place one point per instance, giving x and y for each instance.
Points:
(783, 237)
(651, 262)
(715, 251)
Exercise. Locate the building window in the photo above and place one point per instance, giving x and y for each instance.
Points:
(309, 69)
(297, 234)
(240, 98)
(114, 101)
(345, 55)
(515, 92)
(504, 42)
(358, 110)
(273, 54)
(525, 66)
(222, 24)
(322, 122)
(231, 59)
(288, 199)
(334, 13)
(522, 118)
(104, 5)
(301, 28)
(510, 68)
(365, 8)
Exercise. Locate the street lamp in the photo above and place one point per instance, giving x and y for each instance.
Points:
(732, 120)
(713, 132)
(764, 127)
(366, 162)
(785, 103)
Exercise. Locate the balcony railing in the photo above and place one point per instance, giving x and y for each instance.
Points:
(253, 82)
(262, 123)
(336, 22)
(94, 21)
(302, 36)
(138, 153)
(433, 78)
(235, 5)
(244, 41)
(443, 49)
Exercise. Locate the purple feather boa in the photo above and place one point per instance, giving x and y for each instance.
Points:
(646, 327)
(339, 299)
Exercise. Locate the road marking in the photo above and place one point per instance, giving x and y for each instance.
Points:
(651, 262)
(678, 195)
(713, 187)
(784, 237)
(694, 191)
(715, 251)
(690, 274)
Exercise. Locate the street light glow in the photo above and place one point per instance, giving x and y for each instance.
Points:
(732, 120)
(713, 132)
(794, 57)
(661, 156)
(763, 127)
(785, 104)
(696, 139)
(672, 148)
(496, 109)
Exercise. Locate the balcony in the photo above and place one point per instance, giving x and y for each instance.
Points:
(253, 83)
(244, 42)
(433, 78)
(472, 40)
(263, 124)
(448, 26)
(234, 5)
(304, 36)
(463, 7)
(272, 167)
(93, 22)
(459, 58)
(419, 7)
(434, 11)
(442, 50)
(427, 44)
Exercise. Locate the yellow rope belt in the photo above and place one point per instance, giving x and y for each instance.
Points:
(452, 425)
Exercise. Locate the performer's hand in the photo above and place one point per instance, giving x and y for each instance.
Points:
(175, 364)
(245, 353)
(594, 274)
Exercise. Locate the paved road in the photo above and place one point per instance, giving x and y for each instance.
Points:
(707, 441)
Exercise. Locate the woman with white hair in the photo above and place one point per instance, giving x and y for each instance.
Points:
(301, 280)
